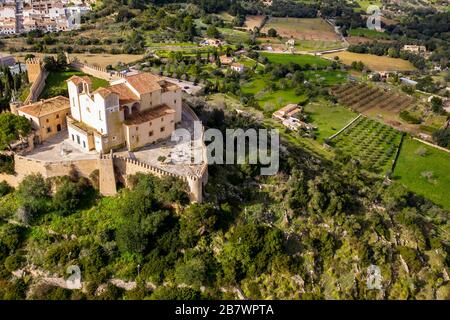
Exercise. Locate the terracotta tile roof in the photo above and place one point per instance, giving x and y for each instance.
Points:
(104, 92)
(77, 79)
(144, 82)
(125, 94)
(45, 107)
(150, 114)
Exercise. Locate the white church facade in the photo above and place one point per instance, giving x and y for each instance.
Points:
(132, 112)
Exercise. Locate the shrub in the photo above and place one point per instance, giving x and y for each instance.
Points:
(174, 293)
(33, 191)
(6, 164)
(5, 188)
(67, 198)
(408, 117)
(14, 262)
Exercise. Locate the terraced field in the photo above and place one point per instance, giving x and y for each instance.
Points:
(372, 143)
(362, 98)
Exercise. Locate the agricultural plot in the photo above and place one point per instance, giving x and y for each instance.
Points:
(363, 98)
(252, 22)
(424, 170)
(372, 143)
(374, 62)
(302, 29)
(300, 59)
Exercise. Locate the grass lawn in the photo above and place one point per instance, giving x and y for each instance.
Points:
(427, 175)
(299, 59)
(375, 63)
(55, 83)
(328, 118)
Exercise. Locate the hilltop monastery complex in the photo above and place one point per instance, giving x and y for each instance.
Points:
(133, 112)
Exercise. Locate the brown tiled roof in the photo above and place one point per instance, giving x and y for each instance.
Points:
(150, 114)
(77, 79)
(125, 94)
(45, 107)
(144, 82)
(103, 92)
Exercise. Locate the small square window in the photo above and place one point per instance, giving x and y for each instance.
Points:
(49, 129)
(57, 116)
(162, 129)
(150, 133)
(46, 120)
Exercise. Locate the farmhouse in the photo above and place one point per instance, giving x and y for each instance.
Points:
(133, 111)
(47, 117)
(414, 49)
(238, 67)
(408, 82)
(289, 111)
(211, 42)
(225, 60)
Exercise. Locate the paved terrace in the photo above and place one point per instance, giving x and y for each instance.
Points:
(61, 148)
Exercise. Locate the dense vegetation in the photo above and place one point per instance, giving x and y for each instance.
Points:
(310, 231)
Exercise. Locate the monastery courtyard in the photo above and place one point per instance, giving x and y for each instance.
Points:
(162, 154)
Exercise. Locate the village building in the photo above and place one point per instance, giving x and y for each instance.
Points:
(7, 60)
(238, 67)
(289, 111)
(132, 112)
(414, 49)
(211, 42)
(47, 117)
(225, 60)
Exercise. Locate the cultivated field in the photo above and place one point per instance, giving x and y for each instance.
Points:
(302, 29)
(301, 59)
(375, 63)
(329, 118)
(424, 170)
(253, 21)
(101, 59)
(372, 143)
(364, 98)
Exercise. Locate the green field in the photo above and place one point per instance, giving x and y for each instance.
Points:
(372, 143)
(428, 174)
(55, 84)
(367, 33)
(271, 100)
(299, 59)
(327, 78)
(328, 118)
(364, 4)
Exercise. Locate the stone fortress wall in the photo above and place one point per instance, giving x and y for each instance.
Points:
(36, 76)
(110, 166)
(94, 71)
